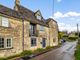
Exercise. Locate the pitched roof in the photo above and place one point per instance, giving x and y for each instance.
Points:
(49, 19)
(7, 11)
(30, 15)
(26, 13)
(23, 13)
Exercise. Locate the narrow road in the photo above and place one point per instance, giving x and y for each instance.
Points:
(66, 52)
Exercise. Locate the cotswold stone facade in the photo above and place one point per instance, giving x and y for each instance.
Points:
(22, 29)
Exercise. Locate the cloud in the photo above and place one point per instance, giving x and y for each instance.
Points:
(59, 0)
(68, 14)
(68, 27)
(58, 15)
(68, 19)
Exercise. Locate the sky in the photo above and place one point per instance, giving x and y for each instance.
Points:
(65, 12)
(45, 6)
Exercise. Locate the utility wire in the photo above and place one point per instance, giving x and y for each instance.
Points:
(53, 8)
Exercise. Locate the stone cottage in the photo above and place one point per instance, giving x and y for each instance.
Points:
(22, 29)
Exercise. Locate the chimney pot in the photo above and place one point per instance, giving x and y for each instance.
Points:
(17, 2)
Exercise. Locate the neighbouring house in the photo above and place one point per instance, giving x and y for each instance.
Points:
(72, 34)
(22, 29)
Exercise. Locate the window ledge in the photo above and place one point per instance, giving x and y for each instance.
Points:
(5, 27)
(6, 48)
(33, 46)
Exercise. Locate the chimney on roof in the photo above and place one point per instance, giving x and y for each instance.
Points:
(17, 2)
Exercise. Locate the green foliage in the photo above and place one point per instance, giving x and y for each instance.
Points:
(49, 47)
(65, 36)
(72, 38)
(77, 52)
(39, 50)
(60, 35)
(3, 59)
(18, 55)
(77, 34)
(26, 52)
(10, 57)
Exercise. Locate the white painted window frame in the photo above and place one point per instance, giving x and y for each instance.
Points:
(38, 17)
(42, 28)
(5, 22)
(5, 42)
(35, 42)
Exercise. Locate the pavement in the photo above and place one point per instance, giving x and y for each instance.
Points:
(65, 52)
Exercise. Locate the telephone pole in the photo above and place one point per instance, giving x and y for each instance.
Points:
(78, 32)
(53, 8)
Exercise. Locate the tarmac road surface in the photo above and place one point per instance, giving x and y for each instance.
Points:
(66, 52)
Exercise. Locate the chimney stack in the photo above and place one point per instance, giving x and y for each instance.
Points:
(17, 2)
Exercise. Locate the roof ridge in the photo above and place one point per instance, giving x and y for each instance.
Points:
(28, 14)
(26, 8)
(7, 7)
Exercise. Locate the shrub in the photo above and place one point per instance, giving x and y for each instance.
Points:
(72, 38)
(3, 59)
(26, 52)
(10, 57)
(49, 47)
(39, 50)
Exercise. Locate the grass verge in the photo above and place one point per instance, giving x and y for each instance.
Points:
(77, 52)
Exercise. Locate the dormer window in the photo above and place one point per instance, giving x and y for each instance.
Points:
(38, 17)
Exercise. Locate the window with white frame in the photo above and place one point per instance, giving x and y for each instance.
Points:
(33, 41)
(41, 28)
(9, 43)
(38, 17)
(5, 43)
(5, 22)
(1, 42)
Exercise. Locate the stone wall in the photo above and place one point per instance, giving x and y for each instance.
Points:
(14, 31)
(41, 34)
(53, 33)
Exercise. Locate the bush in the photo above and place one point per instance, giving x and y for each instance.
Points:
(40, 49)
(49, 47)
(10, 57)
(3, 59)
(26, 52)
(72, 38)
